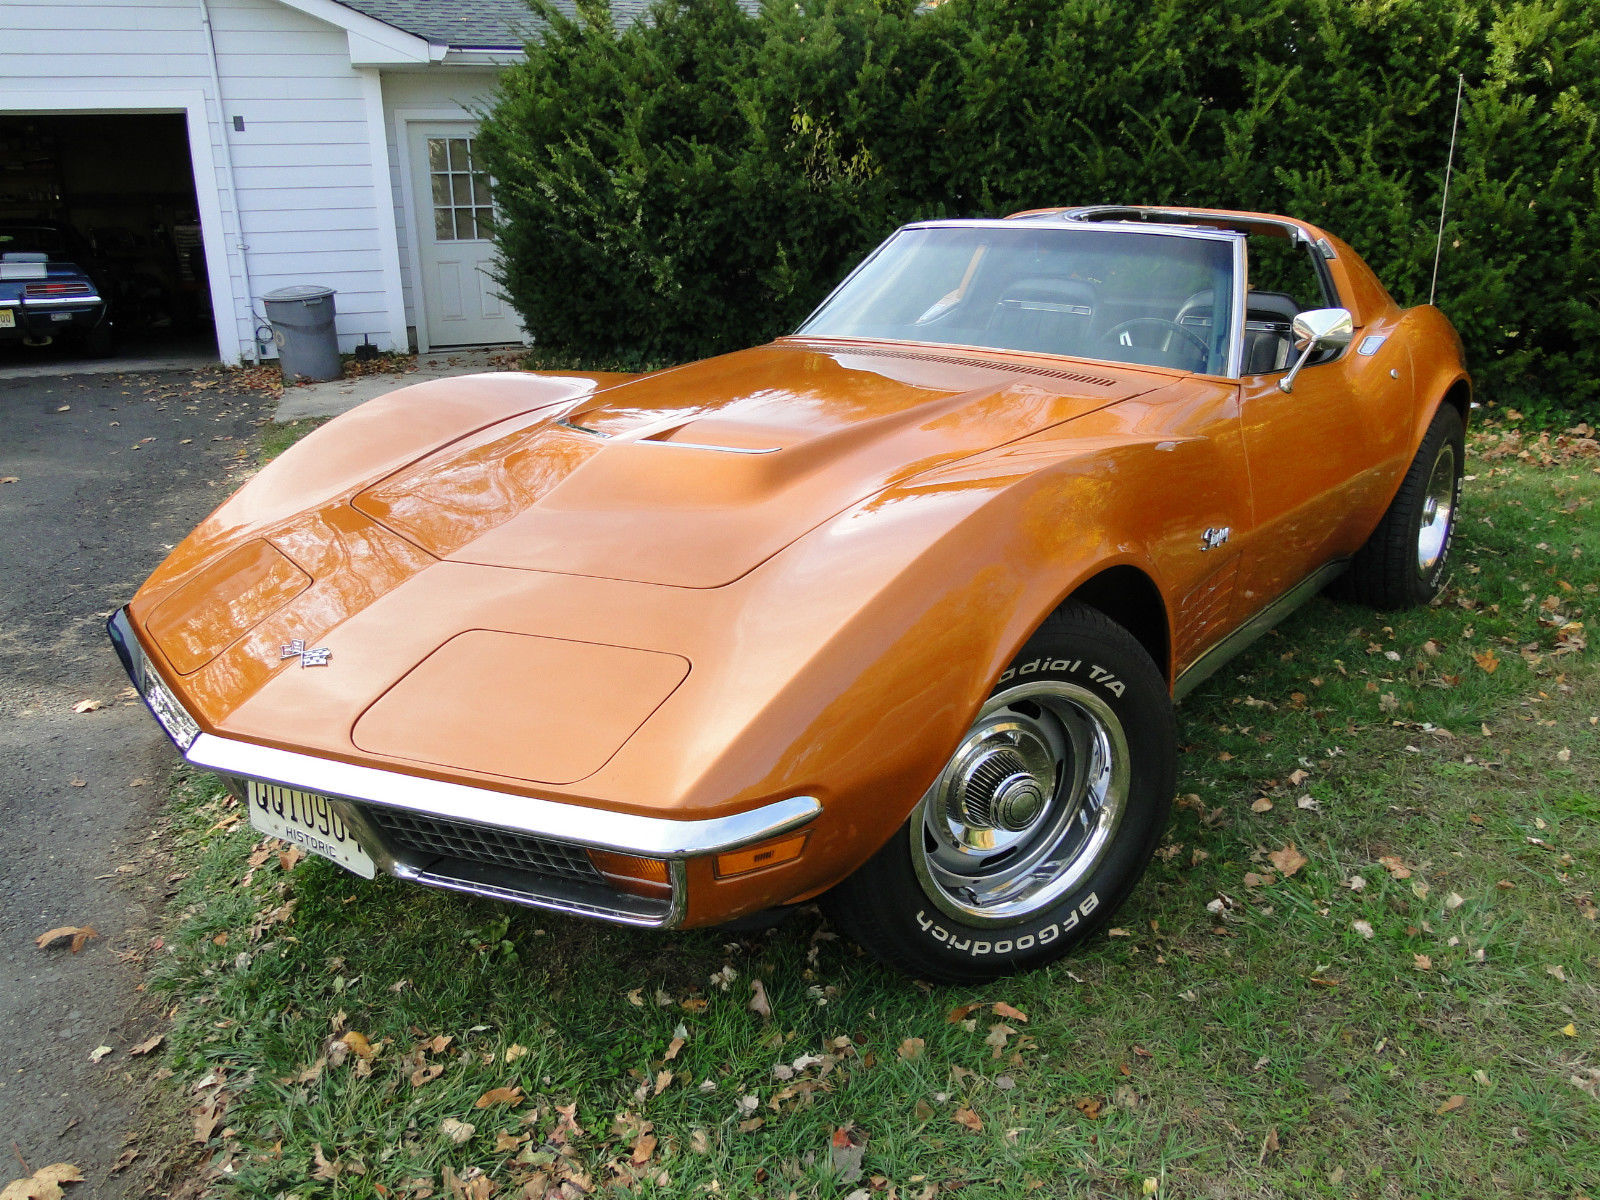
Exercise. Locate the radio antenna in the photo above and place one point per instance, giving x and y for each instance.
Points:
(1444, 200)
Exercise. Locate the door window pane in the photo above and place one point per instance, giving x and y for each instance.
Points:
(461, 192)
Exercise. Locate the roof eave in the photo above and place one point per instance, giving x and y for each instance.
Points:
(371, 42)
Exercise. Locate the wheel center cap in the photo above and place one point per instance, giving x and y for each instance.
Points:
(999, 792)
(1019, 803)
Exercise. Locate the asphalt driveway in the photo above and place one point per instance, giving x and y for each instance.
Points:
(99, 475)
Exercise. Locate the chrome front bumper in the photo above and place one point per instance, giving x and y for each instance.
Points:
(470, 839)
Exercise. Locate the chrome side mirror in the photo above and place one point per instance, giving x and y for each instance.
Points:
(1317, 329)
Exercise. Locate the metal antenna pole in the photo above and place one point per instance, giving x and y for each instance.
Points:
(1444, 200)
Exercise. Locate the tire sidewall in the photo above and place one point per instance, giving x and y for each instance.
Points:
(1445, 430)
(945, 946)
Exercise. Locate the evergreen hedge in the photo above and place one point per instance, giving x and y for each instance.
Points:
(698, 181)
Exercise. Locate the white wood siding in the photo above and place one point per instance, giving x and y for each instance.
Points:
(308, 206)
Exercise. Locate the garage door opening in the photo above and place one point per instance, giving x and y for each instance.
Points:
(114, 193)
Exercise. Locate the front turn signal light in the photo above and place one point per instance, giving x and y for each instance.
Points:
(754, 858)
(632, 874)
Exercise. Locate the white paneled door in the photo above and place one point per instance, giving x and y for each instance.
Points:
(461, 306)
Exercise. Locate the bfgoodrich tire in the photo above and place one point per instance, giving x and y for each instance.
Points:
(1041, 823)
(1404, 562)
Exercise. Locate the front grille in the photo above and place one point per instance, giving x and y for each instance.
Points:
(422, 836)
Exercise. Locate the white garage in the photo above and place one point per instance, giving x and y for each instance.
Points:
(242, 146)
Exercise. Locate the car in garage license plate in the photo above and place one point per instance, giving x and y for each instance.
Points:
(310, 821)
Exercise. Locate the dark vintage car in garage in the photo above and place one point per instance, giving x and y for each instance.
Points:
(47, 291)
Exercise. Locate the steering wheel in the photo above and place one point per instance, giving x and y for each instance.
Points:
(1165, 346)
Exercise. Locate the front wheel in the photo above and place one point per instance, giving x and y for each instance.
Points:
(1040, 824)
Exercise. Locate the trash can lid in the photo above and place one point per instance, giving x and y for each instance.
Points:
(300, 291)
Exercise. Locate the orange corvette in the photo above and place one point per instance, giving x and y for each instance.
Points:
(891, 612)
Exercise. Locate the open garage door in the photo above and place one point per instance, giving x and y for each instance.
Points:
(114, 193)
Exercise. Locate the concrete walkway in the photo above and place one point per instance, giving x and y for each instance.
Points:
(341, 395)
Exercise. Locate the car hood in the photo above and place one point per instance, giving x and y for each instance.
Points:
(695, 476)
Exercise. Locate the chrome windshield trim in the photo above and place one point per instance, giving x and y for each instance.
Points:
(566, 423)
(650, 837)
(1241, 293)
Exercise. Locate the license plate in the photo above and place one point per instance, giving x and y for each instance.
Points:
(61, 316)
(8, 319)
(309, 821)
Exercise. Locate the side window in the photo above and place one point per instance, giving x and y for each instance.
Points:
(1284, 281)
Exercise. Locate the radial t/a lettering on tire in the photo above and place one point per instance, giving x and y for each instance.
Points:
(1040, 824)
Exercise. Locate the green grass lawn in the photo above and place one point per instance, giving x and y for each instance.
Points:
(1363, 965)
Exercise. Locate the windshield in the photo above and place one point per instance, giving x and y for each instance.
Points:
(1157, 299)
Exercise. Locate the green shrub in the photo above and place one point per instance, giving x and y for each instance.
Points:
(698, 181)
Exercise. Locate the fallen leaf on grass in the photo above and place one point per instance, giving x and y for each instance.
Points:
(961, 1013)
(424, 1075)
(1288, 860)
(457, 1131)
(1569, 1029)
(499, 1095)
(911, 1048)
(1269, 1144)
(968, 1119)
(358, 1044)
(845, 1150)
(321, 1167)
(1557, 971)
(1089, 1106)
(643, 1149)
(1002, 1009)
(515, 1051)
(1421, 962)
(1488, 661)
(1260, 805)
(1450, 1105)
(147, 1045)
(98, 1053)
(759, 1004)
(78, 933)
(998, 1033)
(1454, 901)
(1364, 928)
(1395, 866)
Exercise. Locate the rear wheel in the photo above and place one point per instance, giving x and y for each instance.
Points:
(1040, 824)
(1404, 562)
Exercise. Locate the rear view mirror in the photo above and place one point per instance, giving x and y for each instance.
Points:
(1317, 329)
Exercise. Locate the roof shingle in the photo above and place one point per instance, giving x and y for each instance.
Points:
(475, 24)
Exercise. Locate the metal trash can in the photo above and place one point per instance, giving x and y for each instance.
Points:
(302, 329)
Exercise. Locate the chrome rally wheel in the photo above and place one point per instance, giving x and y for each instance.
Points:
(1438, 510)
(1027, 806)
(1041, 821)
